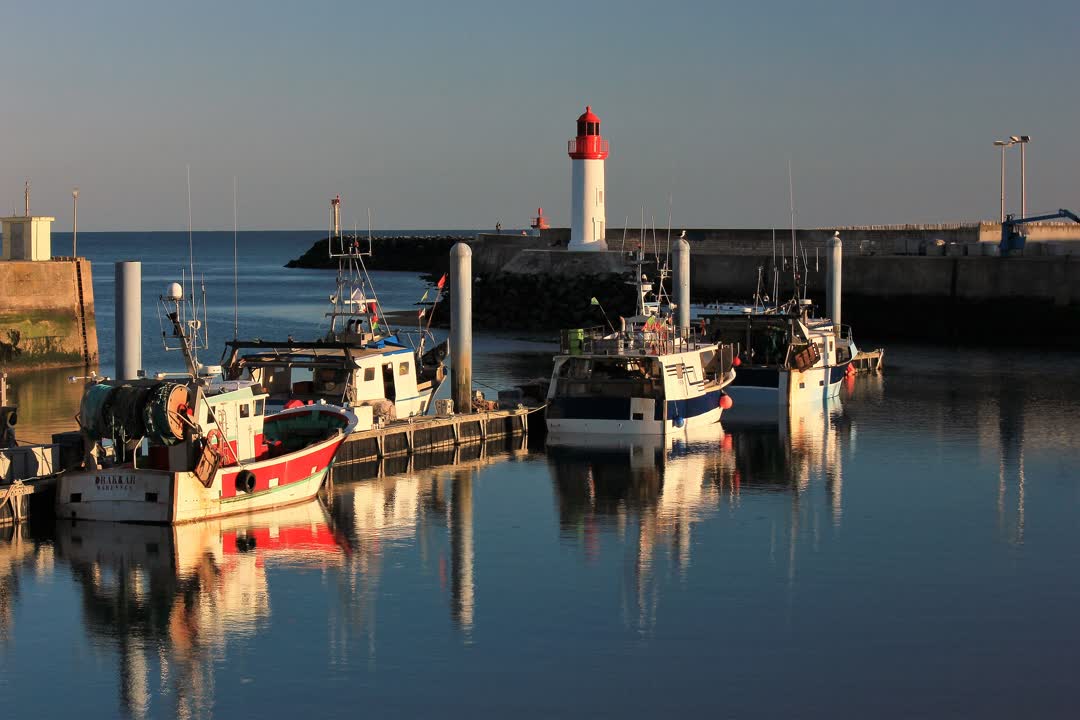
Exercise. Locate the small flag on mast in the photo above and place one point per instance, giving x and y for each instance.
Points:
(594, 301)
(442, 282)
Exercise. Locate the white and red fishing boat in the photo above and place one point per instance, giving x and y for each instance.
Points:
(190, 447)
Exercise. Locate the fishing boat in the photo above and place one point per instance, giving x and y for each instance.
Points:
(646, 378)
(787, 355)
(190, 446)
(361, 362)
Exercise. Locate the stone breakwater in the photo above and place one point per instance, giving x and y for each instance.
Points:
(920, 283)
(411, 253)
(540, 303)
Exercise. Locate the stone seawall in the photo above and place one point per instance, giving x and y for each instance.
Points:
(47, 314)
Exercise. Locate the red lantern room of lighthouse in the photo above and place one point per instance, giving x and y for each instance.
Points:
(587, 151)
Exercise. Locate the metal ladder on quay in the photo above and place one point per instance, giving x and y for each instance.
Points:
(82, 311)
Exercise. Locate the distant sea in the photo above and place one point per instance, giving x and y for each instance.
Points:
(274, 302)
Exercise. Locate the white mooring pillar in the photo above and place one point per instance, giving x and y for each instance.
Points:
(128, 319)
(832, 282)
(681, 260)
(461, 327)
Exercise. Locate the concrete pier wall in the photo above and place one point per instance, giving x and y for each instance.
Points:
(47, 314)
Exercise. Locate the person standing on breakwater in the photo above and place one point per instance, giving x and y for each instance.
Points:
(498, 227)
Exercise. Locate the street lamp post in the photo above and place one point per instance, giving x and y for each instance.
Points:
(1022, 140)
(1002, 144)
(74, 222)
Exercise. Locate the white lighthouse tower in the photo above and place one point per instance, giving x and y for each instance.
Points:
(588, 152)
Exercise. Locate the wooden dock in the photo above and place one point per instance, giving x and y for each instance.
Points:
(19, 499)
(869, 361)
(423, 434)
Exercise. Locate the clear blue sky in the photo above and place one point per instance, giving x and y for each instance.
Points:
(455, 114)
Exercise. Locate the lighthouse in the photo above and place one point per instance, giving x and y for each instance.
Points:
(587, 154)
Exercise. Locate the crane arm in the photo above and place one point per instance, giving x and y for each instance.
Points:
(1062, 213)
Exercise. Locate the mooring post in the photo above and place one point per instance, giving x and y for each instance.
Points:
(682, 286)
(832, 290)
(128, 319)
(461, 327)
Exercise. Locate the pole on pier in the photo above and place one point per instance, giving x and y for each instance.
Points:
(461, 327)
(682, 284)
(128, 319)
(832, 281)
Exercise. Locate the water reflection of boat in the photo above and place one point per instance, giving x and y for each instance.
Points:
(186, 591)
(650, 492)
(18, 553)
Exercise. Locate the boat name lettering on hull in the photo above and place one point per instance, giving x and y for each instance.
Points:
(114, 482)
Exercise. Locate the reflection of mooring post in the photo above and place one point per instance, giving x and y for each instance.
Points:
(836, 256)
(682, 285)
(128, 319)
(462, 590)
(461, 327)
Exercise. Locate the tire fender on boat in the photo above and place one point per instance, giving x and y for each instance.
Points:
(245, 481)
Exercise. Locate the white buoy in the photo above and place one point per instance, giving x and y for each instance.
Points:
(461, 327)
(832, 282)
(681, 260)
(128, 319)
(587, 151)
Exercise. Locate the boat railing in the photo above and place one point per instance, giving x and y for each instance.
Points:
(655, 341)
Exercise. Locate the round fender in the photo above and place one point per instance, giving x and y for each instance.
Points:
(245, 481)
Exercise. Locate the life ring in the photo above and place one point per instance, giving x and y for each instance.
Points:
(215, 441)
(245, 481)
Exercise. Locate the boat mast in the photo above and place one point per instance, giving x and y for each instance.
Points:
(236, 275)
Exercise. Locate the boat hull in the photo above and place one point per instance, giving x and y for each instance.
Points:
(634, 416)
(131, 494)
(778, 387)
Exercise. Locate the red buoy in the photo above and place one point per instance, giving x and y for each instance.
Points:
(294, 403)
(736, 362)
(726, 402)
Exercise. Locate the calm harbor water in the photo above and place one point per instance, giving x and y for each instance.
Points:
(909, 551)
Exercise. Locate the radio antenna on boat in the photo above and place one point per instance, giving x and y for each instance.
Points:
(190, 244)
(236, 274)
(794, 250)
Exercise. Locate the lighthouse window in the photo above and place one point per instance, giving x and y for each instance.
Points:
(601, 197)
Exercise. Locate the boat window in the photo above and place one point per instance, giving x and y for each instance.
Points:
(403, 369)
(245, 410)
(209, 415)
(369, 374)
(259, 407)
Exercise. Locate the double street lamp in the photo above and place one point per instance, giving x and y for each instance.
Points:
(1022, 141)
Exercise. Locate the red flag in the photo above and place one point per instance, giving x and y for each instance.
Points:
(442, 282)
